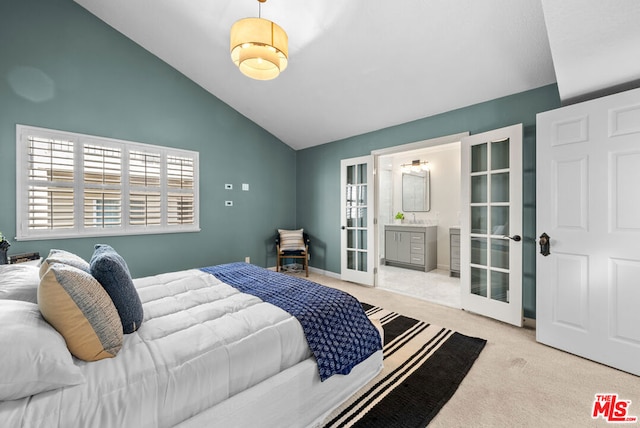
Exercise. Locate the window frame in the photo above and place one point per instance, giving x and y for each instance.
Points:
(23, 183)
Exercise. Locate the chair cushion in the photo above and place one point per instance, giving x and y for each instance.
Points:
(291, 240)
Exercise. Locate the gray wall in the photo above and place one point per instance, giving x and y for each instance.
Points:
(318, 172)
(63, 68)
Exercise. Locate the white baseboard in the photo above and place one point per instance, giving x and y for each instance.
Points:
(317, 271)
(325, 273)
(529, 323)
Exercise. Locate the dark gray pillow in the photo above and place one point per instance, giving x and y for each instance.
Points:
(112, 272)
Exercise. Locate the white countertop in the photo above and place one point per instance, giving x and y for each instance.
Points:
(412, 224)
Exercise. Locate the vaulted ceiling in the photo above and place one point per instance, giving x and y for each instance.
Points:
(358, 66)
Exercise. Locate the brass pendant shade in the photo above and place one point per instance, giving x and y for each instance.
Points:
(259, 48)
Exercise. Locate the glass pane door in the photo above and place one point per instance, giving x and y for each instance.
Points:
(356, 204)
(491, 221)
(357, 220)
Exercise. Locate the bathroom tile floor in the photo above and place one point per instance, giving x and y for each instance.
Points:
(435, 286)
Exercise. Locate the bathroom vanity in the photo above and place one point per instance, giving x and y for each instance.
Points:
(454, 251)
(411, 246)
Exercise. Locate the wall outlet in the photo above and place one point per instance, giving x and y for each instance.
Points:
(228, 186)
(228, 203)
(247, 259)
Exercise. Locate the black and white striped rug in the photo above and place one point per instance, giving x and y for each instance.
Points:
(423, 366)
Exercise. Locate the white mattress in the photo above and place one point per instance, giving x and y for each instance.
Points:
(294, 398)
(201, 342)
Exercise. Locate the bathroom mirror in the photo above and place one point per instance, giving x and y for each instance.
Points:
(415, 191)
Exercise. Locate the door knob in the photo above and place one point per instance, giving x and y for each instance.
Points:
(545, 244)
(516, 238)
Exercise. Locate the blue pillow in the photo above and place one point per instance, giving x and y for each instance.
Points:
(112, 272)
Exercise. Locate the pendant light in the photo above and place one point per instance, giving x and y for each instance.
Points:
(259, 47)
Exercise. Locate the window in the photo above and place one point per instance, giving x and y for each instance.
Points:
(71, 185)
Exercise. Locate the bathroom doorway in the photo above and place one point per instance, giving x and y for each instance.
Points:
(441, 158)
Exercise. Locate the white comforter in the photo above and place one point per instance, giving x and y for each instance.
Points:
(201, 342)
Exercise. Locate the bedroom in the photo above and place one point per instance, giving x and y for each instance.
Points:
(65, 69)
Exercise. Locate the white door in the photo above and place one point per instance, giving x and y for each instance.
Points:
(588, 202)
(491, 224)
(357, 212)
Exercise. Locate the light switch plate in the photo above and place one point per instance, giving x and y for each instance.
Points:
(245, 187)
(228, 203)
(228, 186)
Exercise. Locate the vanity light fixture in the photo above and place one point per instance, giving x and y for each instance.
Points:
(259, 47)
(415, 166)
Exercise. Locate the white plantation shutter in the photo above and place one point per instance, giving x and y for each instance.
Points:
(71, 185)
(180, 197)
(144, 169)
(145, 208)
(180, 208)
(102, 173)
(145, 194)
(50, 187)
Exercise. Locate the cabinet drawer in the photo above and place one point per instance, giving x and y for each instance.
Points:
(454, 254)
(417, 248)
(417, 259)
(417, 238)
(455, 264)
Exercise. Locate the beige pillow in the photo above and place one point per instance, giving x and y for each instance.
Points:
(76, 305)
(291, 240)
(62, 256)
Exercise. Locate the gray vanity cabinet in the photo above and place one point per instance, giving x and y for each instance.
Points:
(397, 246)
(454, 255)
(413, 247)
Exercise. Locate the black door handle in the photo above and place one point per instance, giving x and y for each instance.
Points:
(545, 244)
(516, 238)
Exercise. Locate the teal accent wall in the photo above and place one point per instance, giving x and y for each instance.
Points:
(63, 68)
(318, 171)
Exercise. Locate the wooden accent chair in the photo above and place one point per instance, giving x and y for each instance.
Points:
(292, 244)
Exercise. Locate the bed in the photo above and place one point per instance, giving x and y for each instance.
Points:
(208, 352)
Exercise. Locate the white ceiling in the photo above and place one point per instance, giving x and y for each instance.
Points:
(358, 66)
(595, 45)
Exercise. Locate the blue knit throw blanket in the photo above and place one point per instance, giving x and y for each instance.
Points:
(337, 330)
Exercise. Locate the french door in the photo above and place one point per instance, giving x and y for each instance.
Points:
(491, 224)
(588, 204)
(356, 219)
